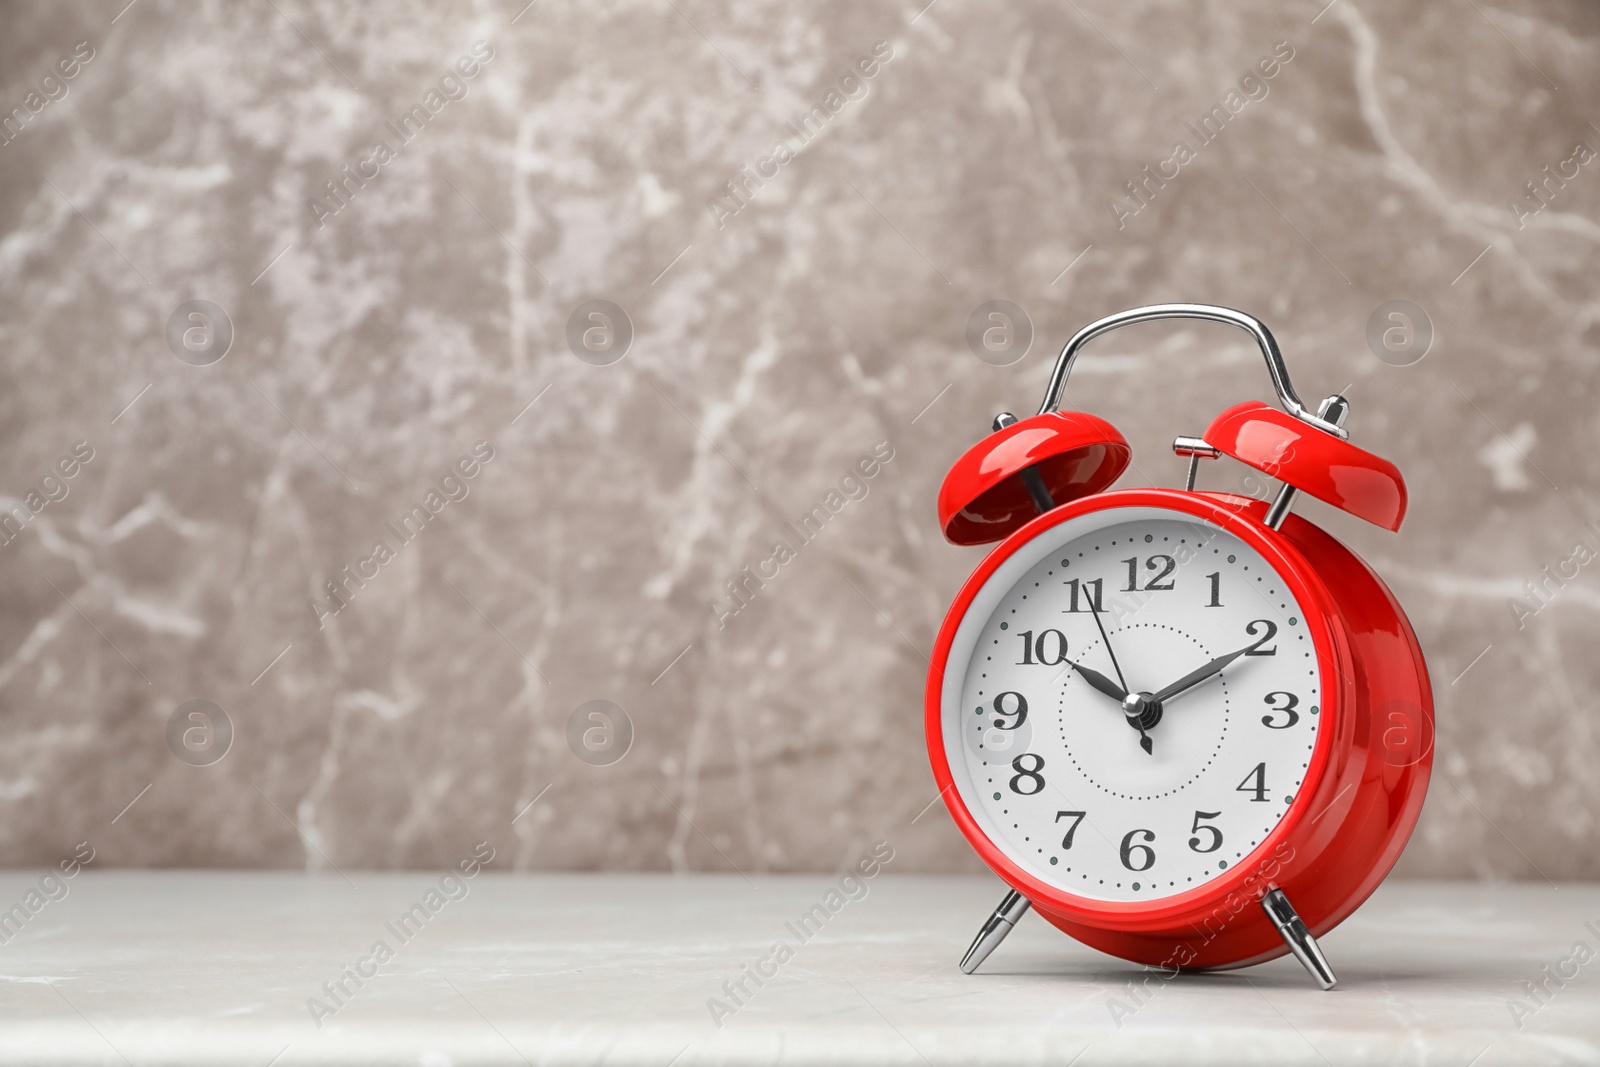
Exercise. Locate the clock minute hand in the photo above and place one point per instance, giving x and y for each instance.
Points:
(1194, 678)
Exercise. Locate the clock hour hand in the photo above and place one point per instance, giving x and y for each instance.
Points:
(1194, 678)
(1115, 692)
(1099, 681)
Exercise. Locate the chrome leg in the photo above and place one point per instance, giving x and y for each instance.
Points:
(1300, 941)
(1005, 917)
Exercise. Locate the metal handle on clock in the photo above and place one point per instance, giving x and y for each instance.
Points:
(1205, 312)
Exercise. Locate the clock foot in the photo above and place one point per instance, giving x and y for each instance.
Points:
(1299, 939)
(994, 931)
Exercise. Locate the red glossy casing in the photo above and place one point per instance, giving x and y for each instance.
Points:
(1363, 790)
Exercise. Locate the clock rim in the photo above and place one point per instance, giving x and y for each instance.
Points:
(1334, 662)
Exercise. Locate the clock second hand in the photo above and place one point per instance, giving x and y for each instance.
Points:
(1133, 720)
(1109, 650)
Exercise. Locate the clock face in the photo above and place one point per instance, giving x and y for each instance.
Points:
(1157, 793)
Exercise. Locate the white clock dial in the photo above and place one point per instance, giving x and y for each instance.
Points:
(1048, 759)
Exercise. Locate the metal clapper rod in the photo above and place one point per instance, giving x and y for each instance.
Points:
(1031, 479)
(1196, 449)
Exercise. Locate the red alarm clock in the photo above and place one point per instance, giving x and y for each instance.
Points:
(1190, 728)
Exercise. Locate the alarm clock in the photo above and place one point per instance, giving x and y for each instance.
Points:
(1190, 728)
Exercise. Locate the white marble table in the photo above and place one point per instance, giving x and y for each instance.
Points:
(217, 968)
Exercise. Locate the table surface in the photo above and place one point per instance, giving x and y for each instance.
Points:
(214, 967)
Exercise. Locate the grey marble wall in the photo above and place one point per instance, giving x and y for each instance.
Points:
(410, 336)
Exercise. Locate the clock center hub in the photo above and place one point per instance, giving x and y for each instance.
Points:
(1142, 710)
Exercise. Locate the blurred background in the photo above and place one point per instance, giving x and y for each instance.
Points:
(573, 306)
